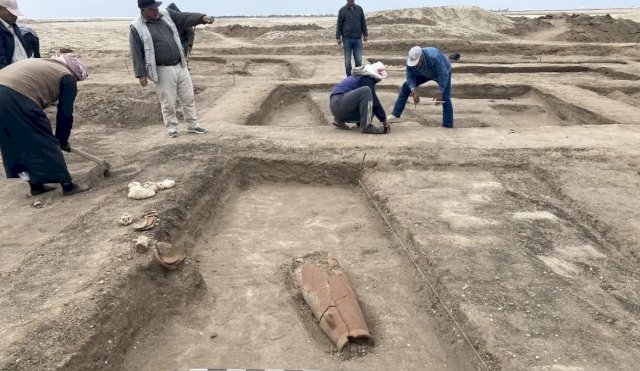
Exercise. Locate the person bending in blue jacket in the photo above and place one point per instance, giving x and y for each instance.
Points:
(354, 99)
(423, 65)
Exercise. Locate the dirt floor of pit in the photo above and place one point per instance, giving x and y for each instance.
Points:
(249, 319)
(536, 186)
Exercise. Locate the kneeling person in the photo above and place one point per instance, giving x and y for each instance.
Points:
(354, 99)
(29, 148)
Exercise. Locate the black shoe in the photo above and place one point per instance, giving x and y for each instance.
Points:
(38, 189)
(73, 188)
(341, 125)
(197, 130)
(370, 129)
(454, 57)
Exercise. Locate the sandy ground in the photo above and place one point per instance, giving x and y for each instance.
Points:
(509, 242)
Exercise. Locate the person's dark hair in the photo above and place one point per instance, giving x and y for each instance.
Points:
(173, 6)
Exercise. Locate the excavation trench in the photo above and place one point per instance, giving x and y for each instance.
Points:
(492, 60)
(476, 105)
(125, 106)
(552, 68)
(626, 94)
(264, 68)
(462, 46)
(233, 304)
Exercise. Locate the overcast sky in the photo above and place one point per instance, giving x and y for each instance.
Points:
(125, 8)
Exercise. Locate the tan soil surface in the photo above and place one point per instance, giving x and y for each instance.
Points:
(634, 16)
(509, 242)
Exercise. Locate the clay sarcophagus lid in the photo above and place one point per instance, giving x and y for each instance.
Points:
(326, 290)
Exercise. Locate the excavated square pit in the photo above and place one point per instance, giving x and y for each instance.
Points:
(485, 105)
(249, 315)
(263, 68)
(517, 111)
(125, 106)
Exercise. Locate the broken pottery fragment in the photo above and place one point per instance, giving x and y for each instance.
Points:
(325, 288)
(142, 244)
(168, 183)
(148, 222)
(168, 256)
(125, 219)
(151, 185)
(141, 193)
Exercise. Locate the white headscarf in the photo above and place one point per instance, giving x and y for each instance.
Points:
(376, 70)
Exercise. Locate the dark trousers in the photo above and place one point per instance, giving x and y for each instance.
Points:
(447, 107)
(352, 46)
(354, 106)
(27, 142)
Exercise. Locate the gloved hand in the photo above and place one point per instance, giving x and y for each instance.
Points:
(65, 147)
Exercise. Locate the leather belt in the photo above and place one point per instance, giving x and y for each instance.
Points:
(168, 64)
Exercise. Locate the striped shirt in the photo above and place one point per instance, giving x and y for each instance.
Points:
(167, 52)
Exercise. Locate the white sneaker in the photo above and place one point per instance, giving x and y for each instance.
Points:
(392, 118)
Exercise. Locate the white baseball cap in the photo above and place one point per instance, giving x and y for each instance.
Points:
(12, 7)
(414, 56)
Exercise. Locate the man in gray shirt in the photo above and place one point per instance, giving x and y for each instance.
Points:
(351, 29)
(158, 56)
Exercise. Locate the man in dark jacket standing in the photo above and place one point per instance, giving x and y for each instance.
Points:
(187, 35)
(31, 41)
(351, 30)
(12, 47)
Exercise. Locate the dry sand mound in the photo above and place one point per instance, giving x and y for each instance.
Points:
(585, 28)
(300, 36)
(524, 26)
(465, 22)
(632, 100)
(236, 30)
(469, 23)
(581, 28)
(470, 17)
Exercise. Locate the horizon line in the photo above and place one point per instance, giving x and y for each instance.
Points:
(507, 10)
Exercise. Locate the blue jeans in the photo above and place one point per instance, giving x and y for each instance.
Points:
(352, 46)
(447, 107)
